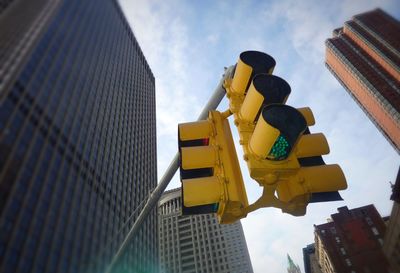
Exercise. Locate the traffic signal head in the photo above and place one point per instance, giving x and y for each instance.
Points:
(281, 153)
(314, 181)
(209, 169)
(277, 132)
(194, 140)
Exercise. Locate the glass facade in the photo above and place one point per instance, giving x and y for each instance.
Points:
(78, 147)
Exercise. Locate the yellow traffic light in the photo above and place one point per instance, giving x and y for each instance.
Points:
(209, 168)
(281, 154)
(276, 133)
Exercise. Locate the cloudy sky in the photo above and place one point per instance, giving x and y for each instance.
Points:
(188, 43)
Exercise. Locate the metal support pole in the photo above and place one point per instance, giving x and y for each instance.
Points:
(212, 104)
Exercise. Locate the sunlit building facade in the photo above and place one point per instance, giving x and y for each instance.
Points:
(197, 243)
(77, 138)
(364, 56)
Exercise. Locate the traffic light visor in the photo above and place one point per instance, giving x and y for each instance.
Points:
(249, 64)
(264, 90)
(276, 132)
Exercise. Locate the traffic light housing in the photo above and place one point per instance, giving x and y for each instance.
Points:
(281, 153)
(209, 170)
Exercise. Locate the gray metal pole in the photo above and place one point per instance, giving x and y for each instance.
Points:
(212, 104)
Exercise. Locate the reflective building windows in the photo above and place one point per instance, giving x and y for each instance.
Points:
(78, 147)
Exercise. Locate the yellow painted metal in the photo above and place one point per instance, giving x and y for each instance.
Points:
(308, 115)
(226, 186)
(263, 139)
(198, 157)
(195, 130)
(251, 105)
(241, 78)
(292, 183)
(312, 145)
(324, 178)
(232, 208)
(202, 191)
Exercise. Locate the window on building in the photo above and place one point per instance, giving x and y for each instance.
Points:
(369, 221)
(375, 231)
(343, 251)
(348, 262)
(337, 239)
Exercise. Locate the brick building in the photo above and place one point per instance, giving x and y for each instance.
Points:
(351, 242)
(364, 55)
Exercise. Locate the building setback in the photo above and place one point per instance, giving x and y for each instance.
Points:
(198, 243)
(351, 242)
(77, 138)
(364, 56)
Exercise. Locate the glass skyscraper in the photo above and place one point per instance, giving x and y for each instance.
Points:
(77, 138)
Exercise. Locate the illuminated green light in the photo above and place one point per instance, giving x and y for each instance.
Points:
(280, 150)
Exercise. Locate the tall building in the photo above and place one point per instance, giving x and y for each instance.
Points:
(391, 245)
(77, 138)
(292, 268)
(364, 56)
(351, 242)
(197, 243)
(311, 264)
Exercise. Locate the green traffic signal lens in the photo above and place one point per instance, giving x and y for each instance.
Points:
(280, 150)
